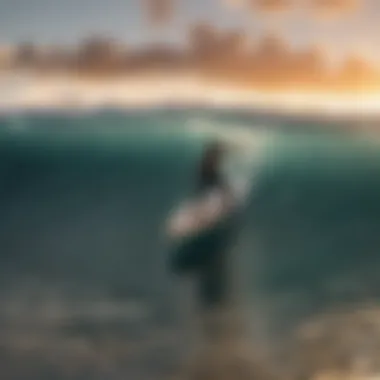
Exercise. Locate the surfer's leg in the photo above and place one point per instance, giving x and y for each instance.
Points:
(224, 351)
(212, 286)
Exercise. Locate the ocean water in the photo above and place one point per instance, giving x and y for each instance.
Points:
(85, 288)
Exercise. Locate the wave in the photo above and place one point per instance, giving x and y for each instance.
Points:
(23, 92)
(64, 219)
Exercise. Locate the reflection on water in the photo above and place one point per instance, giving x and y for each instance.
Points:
(87, 336)
(54, 334)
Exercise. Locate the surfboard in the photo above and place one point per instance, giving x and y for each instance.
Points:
(196, 215)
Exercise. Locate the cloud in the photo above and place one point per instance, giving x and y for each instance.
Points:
(159, 12)
(333, 8)
(271, 5)
(235, 4)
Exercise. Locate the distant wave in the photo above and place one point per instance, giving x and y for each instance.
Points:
(38, 92)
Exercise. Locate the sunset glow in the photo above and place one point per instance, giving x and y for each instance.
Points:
(306, 66)
(182, 91)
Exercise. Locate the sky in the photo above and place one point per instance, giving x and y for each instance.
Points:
(67, 21)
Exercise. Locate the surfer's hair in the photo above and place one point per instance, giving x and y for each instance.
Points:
(214, 149)
(211, 157)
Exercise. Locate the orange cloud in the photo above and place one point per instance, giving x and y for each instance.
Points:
(158, 12)
(272, 5)
(235, 4)
(332, 8)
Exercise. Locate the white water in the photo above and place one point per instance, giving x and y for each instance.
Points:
(31, 91)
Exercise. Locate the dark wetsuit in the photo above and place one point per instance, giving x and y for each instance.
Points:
(205, 255)
(210, 179)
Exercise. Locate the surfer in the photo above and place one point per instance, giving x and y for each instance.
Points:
(204, 255)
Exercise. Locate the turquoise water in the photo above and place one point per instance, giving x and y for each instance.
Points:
(84, 198)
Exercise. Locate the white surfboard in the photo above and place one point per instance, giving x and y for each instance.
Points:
(202, 213)
(197, 214)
